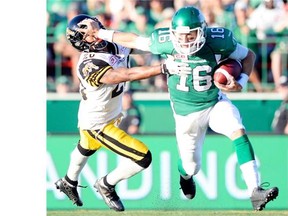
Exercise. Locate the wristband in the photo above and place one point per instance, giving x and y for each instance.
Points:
(243, 79)
(106, 35)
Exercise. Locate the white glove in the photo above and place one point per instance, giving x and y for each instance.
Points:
(172, 67)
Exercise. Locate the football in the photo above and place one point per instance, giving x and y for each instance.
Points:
(226, 69)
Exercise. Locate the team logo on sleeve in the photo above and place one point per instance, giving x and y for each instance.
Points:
(88, 68)
(114, 59)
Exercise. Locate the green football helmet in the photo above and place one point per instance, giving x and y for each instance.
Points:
(188, 20)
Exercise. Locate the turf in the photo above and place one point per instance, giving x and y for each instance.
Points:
(166, 213)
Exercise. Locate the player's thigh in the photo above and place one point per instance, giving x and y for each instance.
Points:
(88, 140)
(118, 141)
(190, 134)
(225, 118)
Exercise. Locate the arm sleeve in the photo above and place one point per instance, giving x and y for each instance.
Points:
(239, 53)
(93, 70)
(143, 43)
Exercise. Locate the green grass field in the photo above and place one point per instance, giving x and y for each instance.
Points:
(167, 213)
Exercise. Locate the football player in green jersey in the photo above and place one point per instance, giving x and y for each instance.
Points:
(196, 100)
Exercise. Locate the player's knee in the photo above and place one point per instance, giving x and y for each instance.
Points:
(146, 161)
(85, 152)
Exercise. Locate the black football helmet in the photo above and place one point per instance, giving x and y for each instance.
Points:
(76, 38)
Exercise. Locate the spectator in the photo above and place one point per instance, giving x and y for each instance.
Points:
(138, 22)
(68, 54)
(131, 120)
(119, 11)
(242, 32)
(280, 120)
(95, 7)
(223, 18)
(264, 17)
(279, 65)
(100, 9)
(279, 59)
(210, 17)
(167, 16)
(261, 23)
(279, 56)
(57, 9)
(155, 12)
(160, 84)
(50, 84)
(181, 3)
(50, 57)
(63, 85)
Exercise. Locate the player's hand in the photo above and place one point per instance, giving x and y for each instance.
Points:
(172, 67)
(91, 28)
(232, 86)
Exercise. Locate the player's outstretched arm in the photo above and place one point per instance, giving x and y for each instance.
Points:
(130, 40)
(114, 76)
(125, 39)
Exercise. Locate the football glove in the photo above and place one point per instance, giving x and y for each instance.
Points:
(171, 67)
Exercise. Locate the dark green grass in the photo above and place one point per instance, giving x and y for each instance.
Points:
(167, 213)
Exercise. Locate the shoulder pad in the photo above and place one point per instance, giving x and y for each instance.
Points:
(221, 40)
(161, 42)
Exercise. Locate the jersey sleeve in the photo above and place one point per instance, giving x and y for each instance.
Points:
(92, 71)
(161, 42)
(221, 41)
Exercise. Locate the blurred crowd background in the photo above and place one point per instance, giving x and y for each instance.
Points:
(261, 25)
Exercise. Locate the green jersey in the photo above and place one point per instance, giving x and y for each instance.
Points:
(195, 92)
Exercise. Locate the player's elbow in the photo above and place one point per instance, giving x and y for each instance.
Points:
(251, 55)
